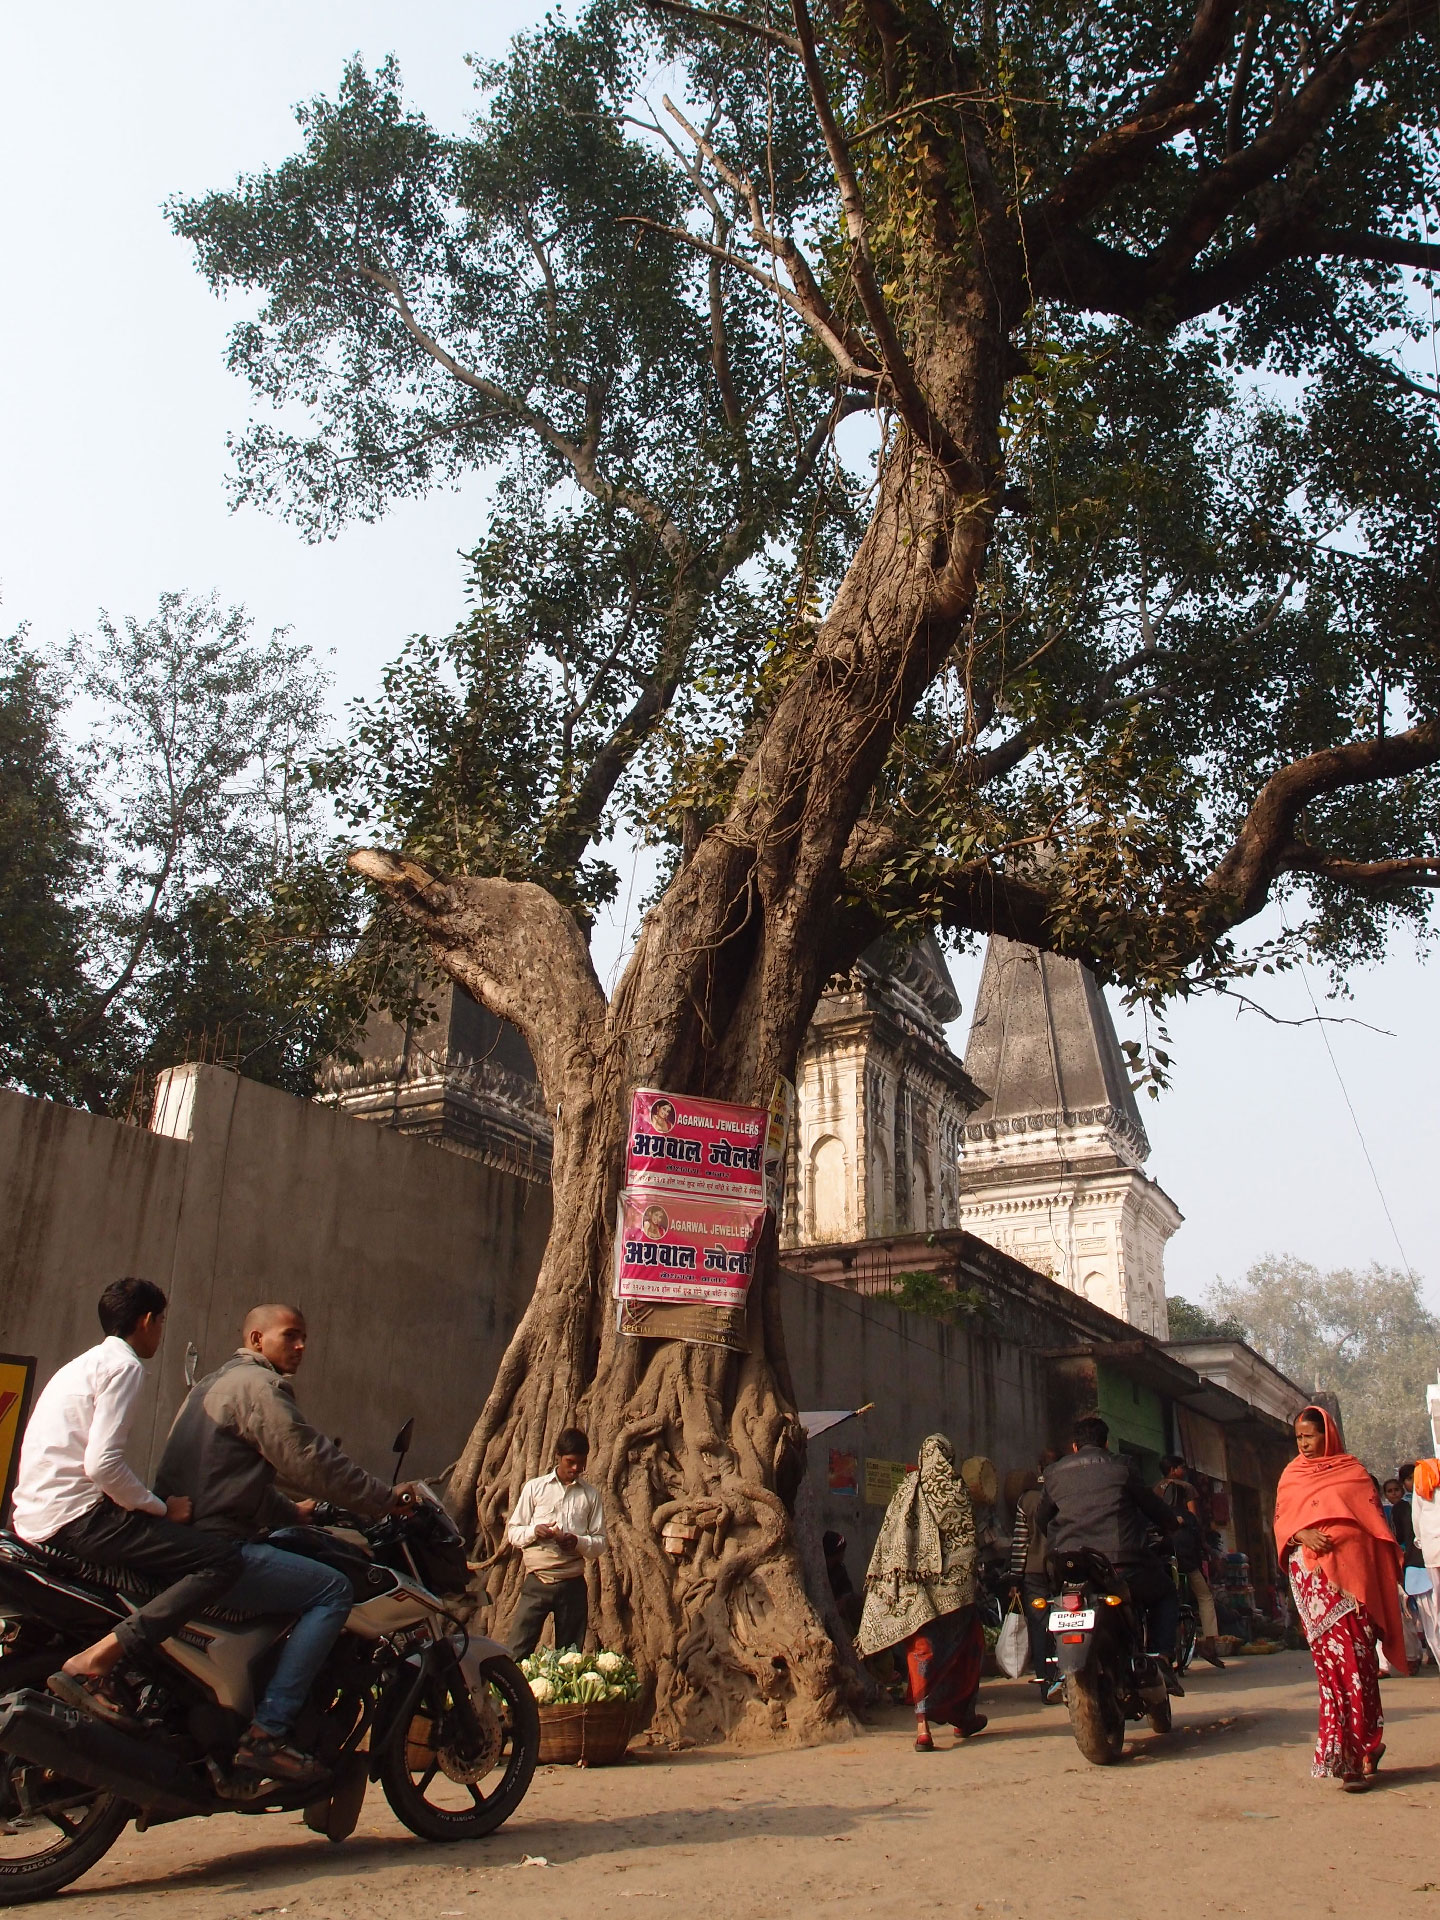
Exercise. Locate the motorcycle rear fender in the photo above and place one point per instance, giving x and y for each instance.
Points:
(1073, 1655)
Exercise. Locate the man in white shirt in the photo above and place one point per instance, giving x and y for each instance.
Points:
(559, 1524)
(75, 1492)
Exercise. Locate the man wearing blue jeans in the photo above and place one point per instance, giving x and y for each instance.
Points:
(238, 1432)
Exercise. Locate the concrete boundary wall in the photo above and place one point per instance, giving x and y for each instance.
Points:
(412, 1264)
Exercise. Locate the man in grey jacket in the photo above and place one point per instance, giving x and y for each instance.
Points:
(239, 1431)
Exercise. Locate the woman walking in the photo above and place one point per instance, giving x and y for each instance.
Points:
(1343, 1563)
(920, 1594)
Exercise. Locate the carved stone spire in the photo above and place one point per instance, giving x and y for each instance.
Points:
(1052, 1162)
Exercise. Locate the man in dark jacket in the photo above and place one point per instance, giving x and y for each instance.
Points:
(1095, 1500)
(239, 1431)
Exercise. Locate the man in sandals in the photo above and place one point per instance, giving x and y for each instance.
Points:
(239, 1431)
(75, 1492)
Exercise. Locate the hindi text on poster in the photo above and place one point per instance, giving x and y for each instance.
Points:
(687, 1145)
(683, 1247)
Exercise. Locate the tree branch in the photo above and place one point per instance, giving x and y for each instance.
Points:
(1244, 877)
(579, 456)
(1122, 152)
(513, 947)
(729, 22)
(1412, 870)
(910, 403)
(1267, 155)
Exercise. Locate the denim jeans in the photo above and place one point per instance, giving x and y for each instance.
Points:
(276, 1582)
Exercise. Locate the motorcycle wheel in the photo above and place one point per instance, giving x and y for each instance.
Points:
(1096, 1717)
(412, 1774)
(71, 1829)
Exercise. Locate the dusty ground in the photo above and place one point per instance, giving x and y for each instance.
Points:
(1221, 1817)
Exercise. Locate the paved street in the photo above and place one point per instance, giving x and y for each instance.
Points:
(1220, 1818)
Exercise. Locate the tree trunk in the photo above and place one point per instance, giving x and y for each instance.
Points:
(716, 1001)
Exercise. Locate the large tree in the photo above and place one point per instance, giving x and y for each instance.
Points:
(954, 466)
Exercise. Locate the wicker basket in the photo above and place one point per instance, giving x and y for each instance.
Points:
(593, 1734)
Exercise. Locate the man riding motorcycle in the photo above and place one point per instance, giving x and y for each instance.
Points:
(239, 1430)
(1095, 1501)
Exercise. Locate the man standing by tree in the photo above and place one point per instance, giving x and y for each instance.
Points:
(558, 1524)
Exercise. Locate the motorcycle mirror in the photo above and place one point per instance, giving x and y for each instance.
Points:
(401, 1446)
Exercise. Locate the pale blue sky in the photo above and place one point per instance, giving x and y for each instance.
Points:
(114, 404)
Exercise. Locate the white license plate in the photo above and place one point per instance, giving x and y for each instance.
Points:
(1080, 1622)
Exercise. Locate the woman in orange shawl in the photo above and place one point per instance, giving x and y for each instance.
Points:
(1344, 1568)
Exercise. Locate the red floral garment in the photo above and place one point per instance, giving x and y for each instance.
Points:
(1342, 1645)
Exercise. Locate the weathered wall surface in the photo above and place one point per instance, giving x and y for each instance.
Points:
(412, 1265)
(983, 1381)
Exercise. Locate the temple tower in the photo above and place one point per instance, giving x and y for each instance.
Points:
(1052, 1165)
(881, 1104)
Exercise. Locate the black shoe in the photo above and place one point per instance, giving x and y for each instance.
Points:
(268, 1755)
(1170, 1677)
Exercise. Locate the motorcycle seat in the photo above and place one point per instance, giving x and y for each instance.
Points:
(111, 1587)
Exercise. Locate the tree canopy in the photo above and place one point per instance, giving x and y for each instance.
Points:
(679, 246)
(1366, 1336)
(170, 889)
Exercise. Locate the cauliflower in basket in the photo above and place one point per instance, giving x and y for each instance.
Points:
(570, 1658)
(609, 1662)
(542, 1689)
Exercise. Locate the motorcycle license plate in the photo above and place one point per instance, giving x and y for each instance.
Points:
(1080, 1622)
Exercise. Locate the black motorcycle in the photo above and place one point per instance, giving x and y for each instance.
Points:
(1108, 1675)
(443, 1719)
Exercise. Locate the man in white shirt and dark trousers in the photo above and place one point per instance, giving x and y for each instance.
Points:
(74, 1491)
(559, 1524)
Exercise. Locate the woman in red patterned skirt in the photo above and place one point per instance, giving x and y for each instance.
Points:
(1344, 1569)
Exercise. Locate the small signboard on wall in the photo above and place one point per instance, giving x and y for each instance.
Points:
(17, 1384)
(882, 1477)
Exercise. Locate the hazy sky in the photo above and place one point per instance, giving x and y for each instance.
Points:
(114, 405)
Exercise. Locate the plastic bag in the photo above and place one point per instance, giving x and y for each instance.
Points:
(1012, 1649)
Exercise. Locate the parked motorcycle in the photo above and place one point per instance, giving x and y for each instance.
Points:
(443, 1719)
(1108, 1675)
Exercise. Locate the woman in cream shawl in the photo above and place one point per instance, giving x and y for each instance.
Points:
(920, 1594)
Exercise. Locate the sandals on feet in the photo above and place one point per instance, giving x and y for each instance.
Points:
(269, 1756)
(90, 1693)
(924, 1744)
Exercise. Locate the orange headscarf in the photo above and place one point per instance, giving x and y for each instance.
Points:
(1427, 1478)
(1334, 1491)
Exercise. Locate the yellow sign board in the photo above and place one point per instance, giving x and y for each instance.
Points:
(882, 1477)
(17, 1380)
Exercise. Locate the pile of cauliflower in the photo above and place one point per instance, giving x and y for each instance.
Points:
(572, 1679)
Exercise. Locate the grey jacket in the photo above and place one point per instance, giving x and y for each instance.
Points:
(237, 1433)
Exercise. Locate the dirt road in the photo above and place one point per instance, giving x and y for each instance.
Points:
(1220, 1818)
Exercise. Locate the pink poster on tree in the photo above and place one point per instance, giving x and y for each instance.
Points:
(686, 1248)
(688, 1145)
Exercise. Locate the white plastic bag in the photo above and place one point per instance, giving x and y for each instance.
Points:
(1012, 1649)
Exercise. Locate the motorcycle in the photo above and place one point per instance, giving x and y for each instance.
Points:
(443, 1719)
(1108, 1675)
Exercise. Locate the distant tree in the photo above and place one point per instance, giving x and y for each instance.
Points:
(1191, 1322)
(176, 891)
(45, 859)
(1367, 1337)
